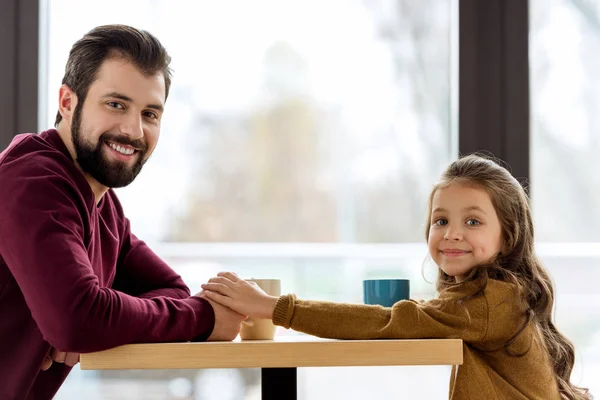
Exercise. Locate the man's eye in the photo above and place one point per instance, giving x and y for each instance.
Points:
(473, 222)
(114, 104)
(151, 115)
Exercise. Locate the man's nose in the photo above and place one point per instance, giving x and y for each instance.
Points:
(132, 127)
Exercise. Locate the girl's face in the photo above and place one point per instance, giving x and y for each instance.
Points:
(465, 230)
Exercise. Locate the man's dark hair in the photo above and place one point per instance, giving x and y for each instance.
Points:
(137, 46)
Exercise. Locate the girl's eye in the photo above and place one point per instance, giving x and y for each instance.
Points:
(114, 104)
(440, 222)
(473, 222)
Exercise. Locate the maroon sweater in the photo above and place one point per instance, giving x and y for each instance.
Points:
(72, 275)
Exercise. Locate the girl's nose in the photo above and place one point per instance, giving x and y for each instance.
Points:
(453, 233)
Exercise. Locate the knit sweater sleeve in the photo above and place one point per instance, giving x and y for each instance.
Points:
(444, 317)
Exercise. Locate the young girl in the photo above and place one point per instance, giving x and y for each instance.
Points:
(494, 294)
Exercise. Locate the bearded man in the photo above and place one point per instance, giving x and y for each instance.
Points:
(73, 277)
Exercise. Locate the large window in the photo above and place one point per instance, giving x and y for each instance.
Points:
(287, 121)
(320, 124)
(565, 185)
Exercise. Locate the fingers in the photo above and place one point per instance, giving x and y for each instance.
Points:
(232, 276)
(219, 298)
(58, 356)
(222, 280)
(46, 364)
(71, 359)
(216, 287)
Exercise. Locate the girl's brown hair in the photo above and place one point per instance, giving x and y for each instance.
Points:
(518, 263)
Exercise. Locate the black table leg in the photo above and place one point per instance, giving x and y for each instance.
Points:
(279, 384)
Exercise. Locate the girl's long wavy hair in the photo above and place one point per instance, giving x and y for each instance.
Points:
(518, 263)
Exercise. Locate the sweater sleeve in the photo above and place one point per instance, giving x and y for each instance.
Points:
(439, 318)
(42, 233)
(141, 273)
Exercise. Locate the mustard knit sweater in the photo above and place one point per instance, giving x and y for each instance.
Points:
(484, 323)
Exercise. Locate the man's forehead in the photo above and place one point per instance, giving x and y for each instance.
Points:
(117, 75)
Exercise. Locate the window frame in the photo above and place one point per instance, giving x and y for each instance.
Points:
(19, 98)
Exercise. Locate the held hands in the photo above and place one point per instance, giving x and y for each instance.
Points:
(242, 296)
(228, 323)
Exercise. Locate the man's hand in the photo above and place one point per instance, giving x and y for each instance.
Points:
(227, 322)
(69, 359)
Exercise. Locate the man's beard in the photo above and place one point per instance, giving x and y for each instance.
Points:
(112, 174)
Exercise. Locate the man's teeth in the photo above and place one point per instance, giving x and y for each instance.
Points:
(121, 150)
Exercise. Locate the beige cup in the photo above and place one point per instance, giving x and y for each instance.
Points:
(261, 329)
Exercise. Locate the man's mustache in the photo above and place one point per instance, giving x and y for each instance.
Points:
(124, 140)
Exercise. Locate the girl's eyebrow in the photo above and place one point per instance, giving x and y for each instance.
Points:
(474, 208)
(466, 209)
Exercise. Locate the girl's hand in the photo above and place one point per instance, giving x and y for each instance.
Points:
(241, 296)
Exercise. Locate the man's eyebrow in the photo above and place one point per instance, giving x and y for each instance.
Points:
(128, 99)
(118, 95)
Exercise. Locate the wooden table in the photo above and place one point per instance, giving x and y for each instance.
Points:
(279, 358)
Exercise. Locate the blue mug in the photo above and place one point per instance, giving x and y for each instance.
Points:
(385, 292)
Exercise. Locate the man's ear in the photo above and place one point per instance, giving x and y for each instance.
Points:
(67, 101)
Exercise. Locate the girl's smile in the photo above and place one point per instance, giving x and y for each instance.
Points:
(465, 231)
